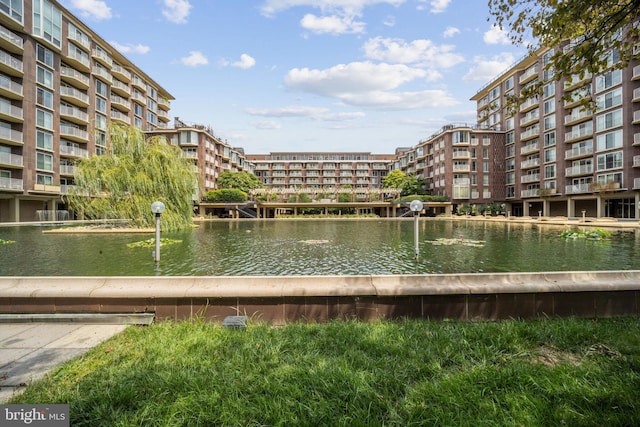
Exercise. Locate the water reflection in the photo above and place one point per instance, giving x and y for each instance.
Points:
(316, 247)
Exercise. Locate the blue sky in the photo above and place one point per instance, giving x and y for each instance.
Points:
(310, 75)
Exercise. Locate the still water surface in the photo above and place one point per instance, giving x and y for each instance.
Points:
(316, 247)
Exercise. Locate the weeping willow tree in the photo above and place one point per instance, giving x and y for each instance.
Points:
(134, 173)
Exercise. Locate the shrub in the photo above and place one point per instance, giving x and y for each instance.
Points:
(225, 195)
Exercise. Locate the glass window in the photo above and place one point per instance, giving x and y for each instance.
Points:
(609, 120)
(549, 90)
(101, 138)
(550, 155)
(609, 140)
(44, 119)
(12, 8)
(44, 77)
(44, 55)
(549, 106)
(549, 139)
(549, 171)
(610, 161)
(550, 122)
(44, 161)
(608, 80)
(101, 104)
(44, 140)
(609, 99)
(47, 22)
(101, 122)
(44, 98)
(102, 88)
(44, 179)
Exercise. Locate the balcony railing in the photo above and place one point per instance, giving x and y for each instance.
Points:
(530, 163)
(11, 62)
(72, 150)
(75, 74)
(10, 85)
(10, 110)
(534, 192)
(12, 38)
(578, 152)
(74, 131)
(529, 148)
(10, 183)
(579, 170)
(569, 136)
(11, 135)
(577, 189)
(532, 177)
(11, 159)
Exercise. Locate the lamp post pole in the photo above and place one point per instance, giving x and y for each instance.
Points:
(157, 208)
(416, 207)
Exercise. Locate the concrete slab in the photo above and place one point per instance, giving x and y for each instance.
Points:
(29, 351)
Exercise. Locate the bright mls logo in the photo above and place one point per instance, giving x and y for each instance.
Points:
(34, 415)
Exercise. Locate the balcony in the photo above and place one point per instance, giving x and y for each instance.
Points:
(528, 75)
(73, 133)
(576, 153)
(120, 102)
(13, 184)
(576, 80)
(163, 103)
(533, 192)
(461, 168)
(636, 117)
(577, 189)
(79, 60)
(529, 148)
(163, 116)
(636, 139)
(9, 112)
(11, 160)
(102, 57)
(461, 154)
(121, 72)
(44, 188)
(139, 83)
(10, 89)
(73, 151)
(11, 136)
(529, 134)
(74, 77)
(103, 74)
(579, 170)
(636, 73)
(636, 161)
(577, 115)
(68, 170)
(636, 95)
(74, 96)
(530, 117)
(10, 65)
(119, 116)
(531, 163)
(139, 98)
(531, 177)
(74, 114)
(577, 135)
(14, 43)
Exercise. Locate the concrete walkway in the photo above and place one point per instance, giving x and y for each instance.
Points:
(28, 351)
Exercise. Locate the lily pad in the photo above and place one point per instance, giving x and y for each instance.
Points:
(6, 242)
(150, 243)
(458, 241)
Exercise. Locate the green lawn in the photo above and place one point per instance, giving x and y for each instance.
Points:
(512, 373)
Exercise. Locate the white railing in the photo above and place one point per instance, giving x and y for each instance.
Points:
(577, 189)
(11, 135)
(532, 177)
(577, 152)
(71, 150)
(10, 110)
(11, 183)
(11, 159)
(9, 60)
(579, 170)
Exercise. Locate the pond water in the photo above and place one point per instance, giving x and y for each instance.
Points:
(317, 247)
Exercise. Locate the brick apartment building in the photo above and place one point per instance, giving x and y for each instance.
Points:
(61, 86)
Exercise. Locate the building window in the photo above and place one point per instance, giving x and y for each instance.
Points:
(550, 122)
(44, 55)
(549, 106)
(47, 22)
(44, 119)
(101, 122)
(549, 171)
(44, 161)
(44, 77)
(549, 139)
(101, 104)
(609, 120)
(550, 155)
(510, 151)
(44, 179)
(610, 177)
(138, 110)
(101, 138)
(610, 161)
(609, 99)
(12, 8)
(607, 80)
(102, 88)
(44, 140)
(549, 90)
(609, 140)
(44, 98)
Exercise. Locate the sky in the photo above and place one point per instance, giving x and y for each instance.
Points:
(311, 75)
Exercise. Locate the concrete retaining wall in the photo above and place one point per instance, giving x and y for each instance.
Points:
(282, 299)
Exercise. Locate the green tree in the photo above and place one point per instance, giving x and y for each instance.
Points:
(413, 185)
(134, 173)
(243, 181)
(394, 179)
(593, 27)
(225, 195)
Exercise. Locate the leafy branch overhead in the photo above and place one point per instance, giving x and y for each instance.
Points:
(589, 36)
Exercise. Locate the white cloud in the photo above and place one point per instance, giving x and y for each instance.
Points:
(450, 32)
(96, 9)
(487, 69)
(332, 24)
(439, 6)
(496, 36)
(314, 113)
(176, 11)
(419, 52)
(271, 7)
(130, 48)
(368, 85)
(194, 59)
(389, 21)
(266, 124)
(245, 62)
